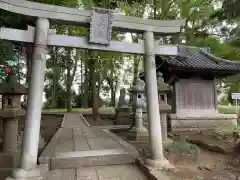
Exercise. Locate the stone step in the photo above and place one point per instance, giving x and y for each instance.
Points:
(63, 174)
(91, 158)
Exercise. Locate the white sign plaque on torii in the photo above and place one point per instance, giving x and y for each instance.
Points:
(101, 26)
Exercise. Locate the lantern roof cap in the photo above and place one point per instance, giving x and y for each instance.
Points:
(11, 87)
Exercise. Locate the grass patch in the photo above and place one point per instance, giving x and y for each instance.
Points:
(104, 110)
(111, 110)
(228, 109)
(182, 149)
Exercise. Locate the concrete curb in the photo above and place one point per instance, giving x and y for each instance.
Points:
(86, 122)
(53, 113)
(150, 173)
(63, 121)
(125, 144)
(49, 149)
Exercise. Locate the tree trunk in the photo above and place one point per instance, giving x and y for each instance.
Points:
(69, 85)
(99, 85)
(110, 82)
(135, 66)
(29, 63)
(95, 100)
(86, 80)
(70, 78)
(81, 86)
(112, 96)
(29, 54)
(55, 80)
(135, 71)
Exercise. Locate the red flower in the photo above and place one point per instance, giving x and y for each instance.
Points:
(8, 69)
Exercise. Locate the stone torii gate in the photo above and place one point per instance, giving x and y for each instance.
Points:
(101, 24)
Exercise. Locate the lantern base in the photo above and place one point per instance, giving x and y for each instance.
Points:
(138, 134)
(123, 116)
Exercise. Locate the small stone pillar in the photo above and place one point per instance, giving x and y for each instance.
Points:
(123, 111)
(138, 132)
(164, 107)
(11, 92)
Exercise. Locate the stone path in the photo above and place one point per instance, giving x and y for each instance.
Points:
(79, 152)
(114, 172)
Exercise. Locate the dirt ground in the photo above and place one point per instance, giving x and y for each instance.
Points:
(206, 164)
(209, 164)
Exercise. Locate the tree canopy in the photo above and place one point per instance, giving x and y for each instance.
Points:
(85, 78)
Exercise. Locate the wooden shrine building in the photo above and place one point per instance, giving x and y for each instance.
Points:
(192, 74)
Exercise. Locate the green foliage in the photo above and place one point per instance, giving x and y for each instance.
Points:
(108, 65)
(68, 3)
(227, 109)
(233, 88)
(228, 133)
(61, 96)
(228, 11)
(222, 50)
(182, 148)
(9, 51)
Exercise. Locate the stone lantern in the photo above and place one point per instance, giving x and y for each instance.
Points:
(164, 107)
(11, 92)
(138, 132)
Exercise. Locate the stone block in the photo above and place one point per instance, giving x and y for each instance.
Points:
(80, 145)
(91, 158)
(88, 178)
(167, 142)
(119, 172)
(85, 172)
(138, 135)
(208, 122)
(104, 144)
(123, 116)
(64, 146)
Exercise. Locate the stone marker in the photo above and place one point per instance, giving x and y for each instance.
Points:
(123, 110)
(122, 98)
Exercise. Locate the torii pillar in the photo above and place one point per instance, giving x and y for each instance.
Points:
(154, 122)
(28, 161)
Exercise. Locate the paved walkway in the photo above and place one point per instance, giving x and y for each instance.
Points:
(114, 172)
(79, 152)
(76, 136)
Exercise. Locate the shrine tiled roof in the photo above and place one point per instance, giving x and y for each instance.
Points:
(197, 58)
